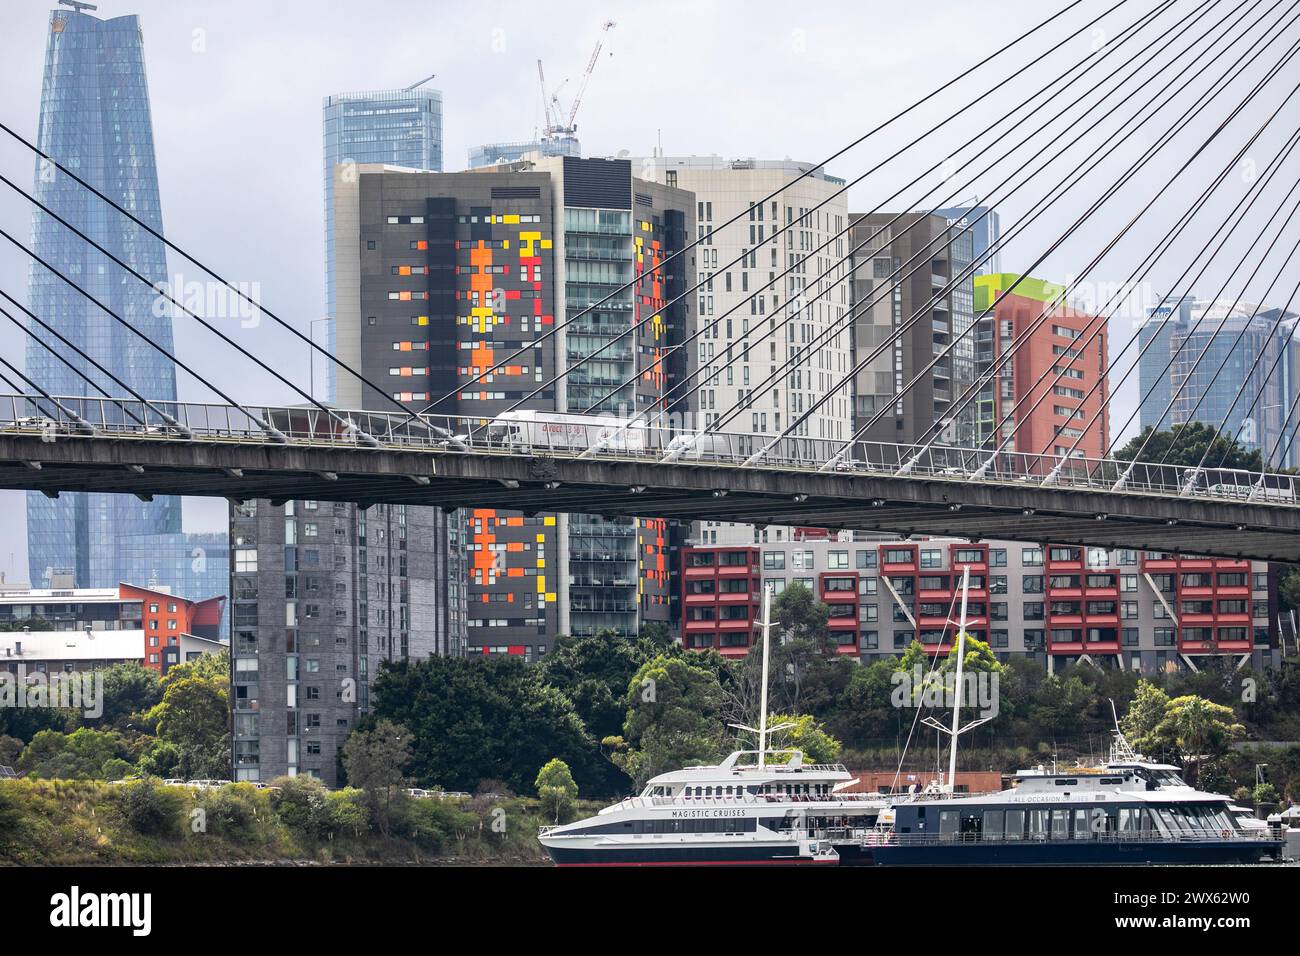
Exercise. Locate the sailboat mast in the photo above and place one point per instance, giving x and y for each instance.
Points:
(762, 707)
(961, 659)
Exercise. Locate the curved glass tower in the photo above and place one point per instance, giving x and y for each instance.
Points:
(95, 120)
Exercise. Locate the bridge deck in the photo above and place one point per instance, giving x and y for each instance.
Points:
(563, 481)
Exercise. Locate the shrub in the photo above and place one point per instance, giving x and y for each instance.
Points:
(232, 812)
(152, 809)
(347, 812)
(302, 805)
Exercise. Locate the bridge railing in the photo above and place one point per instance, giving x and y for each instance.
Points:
(611, 438)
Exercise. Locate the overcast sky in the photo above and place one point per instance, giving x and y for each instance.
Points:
(236, 90)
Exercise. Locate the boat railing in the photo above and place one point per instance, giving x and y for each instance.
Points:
(1108, 836)
(744, 800)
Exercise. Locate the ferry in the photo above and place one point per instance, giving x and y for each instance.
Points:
(1129, 812)
(756, 807)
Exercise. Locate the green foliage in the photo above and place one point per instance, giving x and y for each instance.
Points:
(1144, 716)
(1189, 445)
(150, 808)
(161, 759)
(302, 804)
(347, 811)
(807, 735)
(81, 755)
(556, 789)
(233, 811)
(1264, 793)
(375, 759)
(129, 689)
(672, 720)
(480, 718)
(10, 749)
(194, 717)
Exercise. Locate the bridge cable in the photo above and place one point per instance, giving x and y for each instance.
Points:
(1143, 350)
(72, 416)
(268, 427)
(837, 326)
(1101, 322)
(916, 316)
(986, 378)
(162, 415)
(1181, 428)
(1165, 138)
(812, 169)
(1125, 35)
(992, 128)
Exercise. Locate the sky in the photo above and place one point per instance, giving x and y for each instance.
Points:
(236, 89)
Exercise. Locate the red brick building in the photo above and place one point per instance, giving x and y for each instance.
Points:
(1053, 375)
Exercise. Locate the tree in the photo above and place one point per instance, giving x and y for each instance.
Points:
(80, 755)
(477, 718)
(128, 689)
(556, 789)
(374, 760)
(807, 735)
(1200, 729)
(673, 718)
(1144, 716)
(1189, 444)
(194, 715)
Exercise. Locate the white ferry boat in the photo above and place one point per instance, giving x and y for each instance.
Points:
(746, 810)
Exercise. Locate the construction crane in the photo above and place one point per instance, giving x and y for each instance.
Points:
(415, 86)
(557, 124)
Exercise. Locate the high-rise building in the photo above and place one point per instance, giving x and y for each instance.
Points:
(95, 119)
(441, 276)
(986, 234)
(1224, 364)
(395, 127)
(741, 307)
(1052, 392)
(322, 593)
(493, 154)
(927, 254)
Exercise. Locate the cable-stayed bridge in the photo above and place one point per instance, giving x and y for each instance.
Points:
(1148, 130)
(217, 450)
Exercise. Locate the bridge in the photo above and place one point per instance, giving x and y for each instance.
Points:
(1196, 82)
(278, 453)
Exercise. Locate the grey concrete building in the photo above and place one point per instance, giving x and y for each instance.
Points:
(323, 594)
(926, 253)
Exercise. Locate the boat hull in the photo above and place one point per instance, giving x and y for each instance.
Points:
(768, 855)
(1082, 853)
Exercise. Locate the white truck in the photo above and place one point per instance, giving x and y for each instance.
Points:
(540, 431)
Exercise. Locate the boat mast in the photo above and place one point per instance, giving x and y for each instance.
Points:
(762, 707)
(961, 659)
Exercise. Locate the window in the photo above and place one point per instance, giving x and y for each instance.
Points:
(773, 560)
(866, 560)
(1032, 584)
(1032, 557)
(837, 561)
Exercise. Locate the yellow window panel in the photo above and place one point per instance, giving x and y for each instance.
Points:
(541, 538)
(511, 220)
(550, 595)
(549, 521)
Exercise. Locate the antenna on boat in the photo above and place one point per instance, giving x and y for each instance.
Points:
(763, 729)
(956, 730)
(1121, 751)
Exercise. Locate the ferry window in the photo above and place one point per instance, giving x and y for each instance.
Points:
(993, 822)
(948, 821)
(1128, 819)
(1067, 782)
(1165, 820)
(1060, 823)
(1082, 828)
(1015, 824)
(1038, 824)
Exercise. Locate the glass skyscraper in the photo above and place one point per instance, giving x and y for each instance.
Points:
(95, 120)
(1224, 363)
(397, 127)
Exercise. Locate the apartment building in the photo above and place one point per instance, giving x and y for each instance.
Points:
(442, 276)
(322, 594)
(1143, 611)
